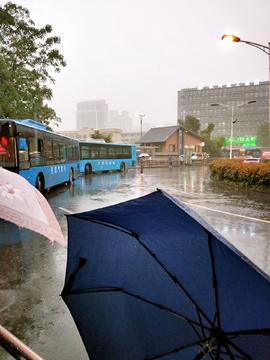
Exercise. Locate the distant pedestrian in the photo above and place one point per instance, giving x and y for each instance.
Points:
(181, 160)
(171, 160)
(142, 164)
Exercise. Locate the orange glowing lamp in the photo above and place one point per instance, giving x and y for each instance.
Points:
(231, 38)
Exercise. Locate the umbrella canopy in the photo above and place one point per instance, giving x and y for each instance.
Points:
(25, 206)
(144, 154)
(149, 279)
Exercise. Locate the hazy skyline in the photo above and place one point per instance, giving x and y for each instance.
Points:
(136, 55)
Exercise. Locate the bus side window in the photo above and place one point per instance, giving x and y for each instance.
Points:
(40, 147)
(119, 153)
(24, 162)
(94, 152)
(36, 152)
(56, 153)
(48, 152)
(111, 152)
(85, 152)
(77, 156)
(62, 153)
(69, 152)
(103, 152)
(127, 153)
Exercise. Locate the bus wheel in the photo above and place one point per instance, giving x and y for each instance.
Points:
(122, 167)
(40, 183)
(88, 169)
(71, 176)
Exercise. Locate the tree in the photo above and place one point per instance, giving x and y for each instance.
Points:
(107, 138)
(191, 123)
(98, 135)
(212, 147)
(263, 135)
(26, 55)
(207, 132)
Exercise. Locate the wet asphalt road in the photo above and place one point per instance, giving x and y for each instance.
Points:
(32, 271)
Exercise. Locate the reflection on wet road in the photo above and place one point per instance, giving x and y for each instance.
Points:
(32, 271)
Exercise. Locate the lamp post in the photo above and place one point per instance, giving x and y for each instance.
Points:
(265, 49)
(233, 107)
(141, 117)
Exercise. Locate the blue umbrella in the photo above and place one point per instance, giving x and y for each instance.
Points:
(149, 279)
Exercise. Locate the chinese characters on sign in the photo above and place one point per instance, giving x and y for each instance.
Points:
(228, 85)
(244, 141)
(58, 169)
(106, 163)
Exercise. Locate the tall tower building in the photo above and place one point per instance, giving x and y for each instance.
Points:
(120, 121)
(92, 114)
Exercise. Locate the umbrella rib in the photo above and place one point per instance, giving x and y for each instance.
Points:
(217, 316)
(240, 351)
(190, 321)
(234, 334)
(228, 351)
(136, 236)
(201, 324)
(175, 350)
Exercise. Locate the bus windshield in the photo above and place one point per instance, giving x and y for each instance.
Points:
(8, 152)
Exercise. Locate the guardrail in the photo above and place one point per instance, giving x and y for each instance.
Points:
(16, 347)
(166, 163)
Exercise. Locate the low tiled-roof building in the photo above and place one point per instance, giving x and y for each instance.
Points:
(170, 140)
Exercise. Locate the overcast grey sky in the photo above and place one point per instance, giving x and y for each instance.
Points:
(136, 54)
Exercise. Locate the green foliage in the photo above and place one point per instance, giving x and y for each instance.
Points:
(212, 147)
(191, 123)
(107, 138)
(247, 174)
(98, 135)
(206, 133)
(26, 55)
(263, 135)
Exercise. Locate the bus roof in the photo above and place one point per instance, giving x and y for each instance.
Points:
(31, 123)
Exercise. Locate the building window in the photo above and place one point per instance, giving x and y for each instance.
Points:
(172, 148)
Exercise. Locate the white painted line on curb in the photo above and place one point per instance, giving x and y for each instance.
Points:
(224, 212)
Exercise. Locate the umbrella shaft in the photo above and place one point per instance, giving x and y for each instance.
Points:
(206, 349)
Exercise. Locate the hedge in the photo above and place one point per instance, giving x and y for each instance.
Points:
(247, 174)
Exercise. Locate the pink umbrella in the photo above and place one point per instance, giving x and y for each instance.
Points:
(25, 206)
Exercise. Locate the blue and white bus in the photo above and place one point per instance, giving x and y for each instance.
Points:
(42, 157)
(105, 157)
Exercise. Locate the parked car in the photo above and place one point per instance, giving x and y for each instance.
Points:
(252, 160)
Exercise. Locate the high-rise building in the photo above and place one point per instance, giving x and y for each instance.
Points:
(199, 101)
(121, 121)
(92, 114)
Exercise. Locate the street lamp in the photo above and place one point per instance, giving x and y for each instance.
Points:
(141, 117)
(265, 49)
(233, 107)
